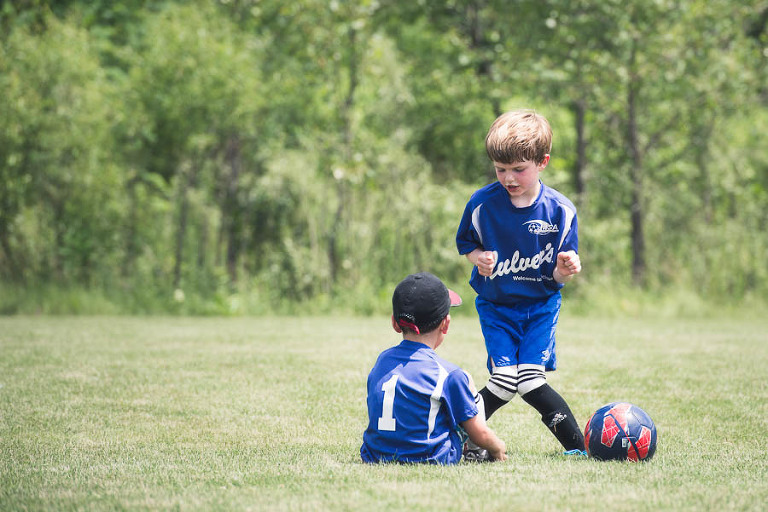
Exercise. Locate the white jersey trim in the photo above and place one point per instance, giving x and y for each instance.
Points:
(476, 221)
(569, 215)
(435, 401)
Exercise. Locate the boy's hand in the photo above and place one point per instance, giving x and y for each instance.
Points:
(500, 454)
(485, 263)
(568, 264)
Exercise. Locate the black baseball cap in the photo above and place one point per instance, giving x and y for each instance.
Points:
(421, 301)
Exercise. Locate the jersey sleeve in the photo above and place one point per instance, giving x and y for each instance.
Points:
(570, 239)
(467, 237)
(459, 398)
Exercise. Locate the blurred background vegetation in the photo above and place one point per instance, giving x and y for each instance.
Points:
(266, 156)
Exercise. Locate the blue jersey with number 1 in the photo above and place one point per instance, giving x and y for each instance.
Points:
(526, 242)
(416, 401)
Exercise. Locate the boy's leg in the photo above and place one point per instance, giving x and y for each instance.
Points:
(537, 353)
(492, 402)
(533, 388)
(502, 331)
(500, 389)
(556, 415)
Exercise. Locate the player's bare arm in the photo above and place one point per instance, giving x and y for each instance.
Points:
(568, 265)
(483, 260)
(484, 437)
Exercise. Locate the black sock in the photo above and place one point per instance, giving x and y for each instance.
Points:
(557, 416)
(491, 401)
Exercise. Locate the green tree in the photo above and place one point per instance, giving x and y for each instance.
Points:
(198, 81)
(57, 155)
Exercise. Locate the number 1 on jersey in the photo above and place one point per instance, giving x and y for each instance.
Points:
(387, 420)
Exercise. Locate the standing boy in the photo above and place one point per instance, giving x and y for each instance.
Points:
(522, 238)
(419, 405)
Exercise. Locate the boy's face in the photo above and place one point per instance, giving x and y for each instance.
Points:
(521, 179)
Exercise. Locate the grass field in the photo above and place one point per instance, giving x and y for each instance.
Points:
(102, 413)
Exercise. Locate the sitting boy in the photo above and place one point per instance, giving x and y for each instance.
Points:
(421, 407)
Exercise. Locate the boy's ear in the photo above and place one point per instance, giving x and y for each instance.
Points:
(544, 162)
(396, 327)
(445, 324)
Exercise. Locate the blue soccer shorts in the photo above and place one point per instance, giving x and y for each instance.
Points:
(520, 334)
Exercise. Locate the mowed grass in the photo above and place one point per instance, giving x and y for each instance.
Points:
(267, 414)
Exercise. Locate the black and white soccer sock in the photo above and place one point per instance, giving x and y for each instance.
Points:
(500, 388)
(556, 415)
(492, 402)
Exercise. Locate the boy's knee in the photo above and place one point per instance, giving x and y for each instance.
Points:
(530, 377)
(503, 382)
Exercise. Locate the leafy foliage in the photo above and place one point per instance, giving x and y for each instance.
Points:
(246, 156)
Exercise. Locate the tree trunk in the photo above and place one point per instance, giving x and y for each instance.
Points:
(231, 213)
(701, 156)
(579, 171)
(186, 181)
(5, 244)
(636, 174)
(130, 232)
(480, 44)
(334, 258)
(58, 235)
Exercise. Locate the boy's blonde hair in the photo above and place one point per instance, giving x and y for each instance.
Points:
(518, 136)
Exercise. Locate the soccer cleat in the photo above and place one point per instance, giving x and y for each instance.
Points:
(475, 453)
(576, 453)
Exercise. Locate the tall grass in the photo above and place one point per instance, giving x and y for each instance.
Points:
(585, 296)
(119, 413)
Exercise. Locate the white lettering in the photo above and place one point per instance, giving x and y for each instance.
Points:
(517, 264)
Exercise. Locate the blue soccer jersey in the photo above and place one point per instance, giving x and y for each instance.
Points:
(416, 401)
(526, 242)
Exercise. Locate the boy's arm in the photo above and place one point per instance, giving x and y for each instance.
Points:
(484, 437)
(483, 260)
(568, 265)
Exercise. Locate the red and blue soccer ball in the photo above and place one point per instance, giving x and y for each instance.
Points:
(620, 431)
